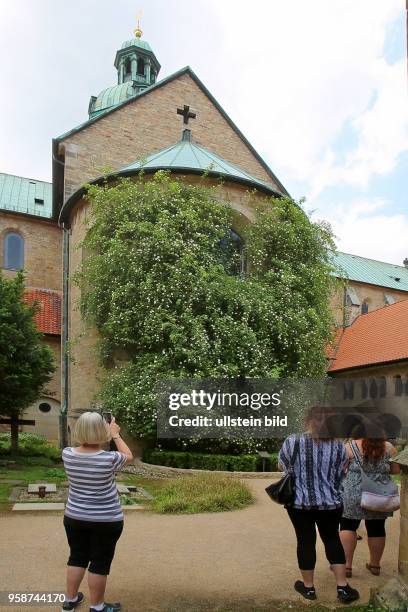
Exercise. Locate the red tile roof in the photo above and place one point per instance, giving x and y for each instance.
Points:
(48, 316)
(379, 336)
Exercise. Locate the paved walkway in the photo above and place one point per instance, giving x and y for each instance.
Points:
(243, 560)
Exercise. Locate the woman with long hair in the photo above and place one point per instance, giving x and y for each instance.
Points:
(318, 462)
(373, 454)
(93, 517)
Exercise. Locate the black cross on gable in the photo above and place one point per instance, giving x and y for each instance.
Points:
(187, 113)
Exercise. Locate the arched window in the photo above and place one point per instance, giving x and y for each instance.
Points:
(127, 70)
(13, 256)
(398, 386)
(373, 388)
(233, 257)
(140, 66)
(382, 386)
(364, 389)
(348, 390)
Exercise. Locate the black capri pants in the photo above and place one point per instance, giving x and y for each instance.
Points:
(375, 527)
(327, 521)
(92, 544)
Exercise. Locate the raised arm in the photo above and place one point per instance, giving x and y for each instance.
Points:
(120, 444)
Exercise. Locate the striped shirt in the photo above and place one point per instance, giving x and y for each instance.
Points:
(318, 471)
(93, 495)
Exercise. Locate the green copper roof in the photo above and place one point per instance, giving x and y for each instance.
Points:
(25, 195)
(370, 271)
(189, 156)
(137, 42)
(112, 96)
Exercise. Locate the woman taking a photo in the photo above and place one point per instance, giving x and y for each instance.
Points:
(93, 517)
(373, 455)
(318, 465)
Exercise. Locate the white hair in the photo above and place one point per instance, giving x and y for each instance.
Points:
(91, 428)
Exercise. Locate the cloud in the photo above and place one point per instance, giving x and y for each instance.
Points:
(303, 71)
(369, 228)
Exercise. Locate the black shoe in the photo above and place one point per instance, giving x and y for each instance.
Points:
(109, 607)
(346, 594)
(306, 592)
(71, 605)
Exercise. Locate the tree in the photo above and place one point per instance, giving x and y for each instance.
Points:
(158, 284)
(26, 364)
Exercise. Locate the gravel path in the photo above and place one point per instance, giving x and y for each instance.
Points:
(243, 560)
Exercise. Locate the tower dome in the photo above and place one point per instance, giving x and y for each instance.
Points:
(137, 68)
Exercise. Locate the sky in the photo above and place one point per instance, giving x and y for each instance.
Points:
(319, 88)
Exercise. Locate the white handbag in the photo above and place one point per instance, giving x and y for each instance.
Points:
(377, 496)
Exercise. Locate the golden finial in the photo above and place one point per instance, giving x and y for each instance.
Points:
(138, 32)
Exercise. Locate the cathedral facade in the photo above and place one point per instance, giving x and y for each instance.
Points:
(140, 122)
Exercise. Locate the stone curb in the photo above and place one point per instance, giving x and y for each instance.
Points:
(164, 469)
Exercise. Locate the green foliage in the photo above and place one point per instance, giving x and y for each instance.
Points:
(157, 282)
(30, 445)
(290, 258)
(32, 472)
(202, 461)
(26, 364)
(204, 493)
(127, 501)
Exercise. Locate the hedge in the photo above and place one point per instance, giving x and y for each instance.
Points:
(201, 461)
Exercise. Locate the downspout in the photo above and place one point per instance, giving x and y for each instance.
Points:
(65, 340)
(58, 197)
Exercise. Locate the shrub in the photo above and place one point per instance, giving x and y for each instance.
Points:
(201, 461)
(203, 493)
(30, 445)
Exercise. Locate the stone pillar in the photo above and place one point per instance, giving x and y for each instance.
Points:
(402, 459)
(393, 596)
(134, 67)
(121, 70)
(147, 70)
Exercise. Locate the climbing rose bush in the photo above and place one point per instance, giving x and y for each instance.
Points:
(157, 282)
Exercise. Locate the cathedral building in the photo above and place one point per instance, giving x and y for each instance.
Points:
(146, 122)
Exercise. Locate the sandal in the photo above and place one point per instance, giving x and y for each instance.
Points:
(374, 569)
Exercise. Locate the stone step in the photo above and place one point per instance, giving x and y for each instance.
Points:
(35, 507)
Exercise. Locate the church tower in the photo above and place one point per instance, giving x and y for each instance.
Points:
(137, 69)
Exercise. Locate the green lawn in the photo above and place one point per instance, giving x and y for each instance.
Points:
(203, 493)
(187, 495)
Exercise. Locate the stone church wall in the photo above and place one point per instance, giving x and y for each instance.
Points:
(150, 124)
(373, 294)
(42, 249)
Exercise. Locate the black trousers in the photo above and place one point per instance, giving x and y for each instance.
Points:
(375, 527)
(92, 544)
(327, 521)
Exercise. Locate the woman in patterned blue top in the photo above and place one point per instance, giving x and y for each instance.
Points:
(319, 464)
